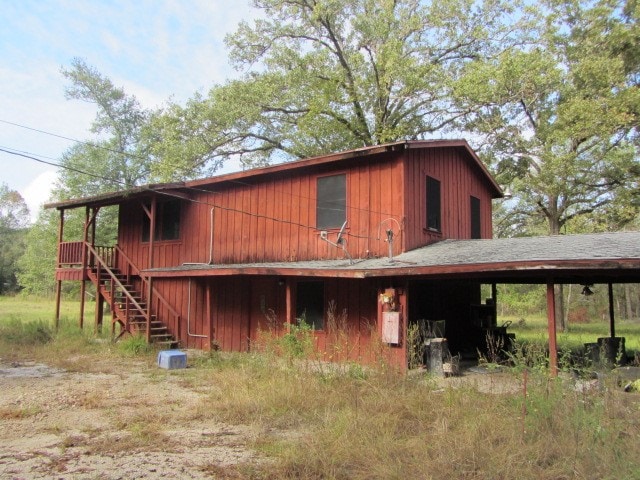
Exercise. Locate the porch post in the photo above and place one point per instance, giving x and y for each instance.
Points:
(288, 304)
(152, 228)
(551, 322)
(612, 320)
(59, 282)
(99, 311)
(207, 299)
(83, 291)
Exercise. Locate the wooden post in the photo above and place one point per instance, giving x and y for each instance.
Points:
(83, 291)
(288, 304)
(152, 228)
(59, 282)
(612, 320)
(99, 311)
(551, 322)
(207, 299)
(58, 293)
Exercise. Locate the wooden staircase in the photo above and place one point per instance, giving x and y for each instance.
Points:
(125, 294)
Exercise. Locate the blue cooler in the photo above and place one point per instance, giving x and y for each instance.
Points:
(172, 359)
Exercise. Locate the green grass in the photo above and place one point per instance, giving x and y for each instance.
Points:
(534, 329)
(42, 309)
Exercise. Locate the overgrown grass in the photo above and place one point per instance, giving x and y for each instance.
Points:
(394, 426)
(380, 424)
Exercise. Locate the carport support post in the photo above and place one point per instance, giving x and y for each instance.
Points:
(551, 319)
(612, 320)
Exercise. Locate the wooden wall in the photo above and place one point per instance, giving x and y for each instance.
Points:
(459, 179)
(272, 217)
(231, 312)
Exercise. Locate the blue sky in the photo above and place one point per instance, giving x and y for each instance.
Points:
(156, 50)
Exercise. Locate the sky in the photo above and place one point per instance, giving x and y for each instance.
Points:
(157, 50)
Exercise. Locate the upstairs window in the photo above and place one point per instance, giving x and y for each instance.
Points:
(475, 217)
(310, 303)
(331, 203)
(434, 216)
(167, 221)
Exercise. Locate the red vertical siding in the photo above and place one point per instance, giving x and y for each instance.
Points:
(459, 179)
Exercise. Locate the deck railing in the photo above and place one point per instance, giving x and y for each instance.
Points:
(70, 254)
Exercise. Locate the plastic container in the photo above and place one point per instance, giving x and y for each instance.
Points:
(172, 359)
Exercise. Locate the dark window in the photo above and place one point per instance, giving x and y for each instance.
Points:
(433, 204)
(331, 206)
(475, 217)
(310, 303)
(167, 221)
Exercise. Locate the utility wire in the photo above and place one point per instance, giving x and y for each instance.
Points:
(54, 164)
(119, 152)
(91, 144)
(169, 194)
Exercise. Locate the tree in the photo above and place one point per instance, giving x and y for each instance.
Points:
(14, 220)
(559, 120)
(321, 76)
(120, 158)
(117, 159)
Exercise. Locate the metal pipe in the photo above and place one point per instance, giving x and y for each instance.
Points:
(211, 218)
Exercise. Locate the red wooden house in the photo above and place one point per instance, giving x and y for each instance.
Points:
(215, 261)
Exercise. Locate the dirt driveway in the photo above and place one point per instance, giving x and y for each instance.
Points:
(135, 423)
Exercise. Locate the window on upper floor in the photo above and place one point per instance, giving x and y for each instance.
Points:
(310, 303)
(331, 201)
(434, 215)
(167, 221)
(475, 217)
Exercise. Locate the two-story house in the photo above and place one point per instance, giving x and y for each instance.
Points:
(381, 237)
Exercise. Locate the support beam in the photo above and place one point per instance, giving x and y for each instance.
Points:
(99, 311)
(612, 319)
(59, 283)
(83, 292)
(551, 322)
(209, 315)
(58, 294)
(288, 304)
(152, 229)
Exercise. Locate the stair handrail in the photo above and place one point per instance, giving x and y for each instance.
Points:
(115, 279)
(156, 294)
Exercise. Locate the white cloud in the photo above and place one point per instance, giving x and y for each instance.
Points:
(155, 49)
(38, 192)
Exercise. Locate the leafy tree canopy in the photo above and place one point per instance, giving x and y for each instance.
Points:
(326, 75)
(559, 120)
(14, 220)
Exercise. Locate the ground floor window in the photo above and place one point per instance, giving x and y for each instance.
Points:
(310, 303)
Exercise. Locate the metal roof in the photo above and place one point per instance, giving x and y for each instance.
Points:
(572, 258)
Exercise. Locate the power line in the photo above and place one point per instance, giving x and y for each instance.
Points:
(292, 195)
(168, 194)
(54, 164)
(91, 144)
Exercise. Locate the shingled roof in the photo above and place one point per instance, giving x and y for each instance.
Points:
(566, 258)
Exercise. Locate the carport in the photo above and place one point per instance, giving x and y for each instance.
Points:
(605, 258)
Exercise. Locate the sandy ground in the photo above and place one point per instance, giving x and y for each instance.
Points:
(64, 425)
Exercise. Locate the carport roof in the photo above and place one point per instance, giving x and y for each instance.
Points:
(589, 258)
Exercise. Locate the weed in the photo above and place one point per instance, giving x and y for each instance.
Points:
(13, 413)
(298, 341)
(16, 332)
(135, 345)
